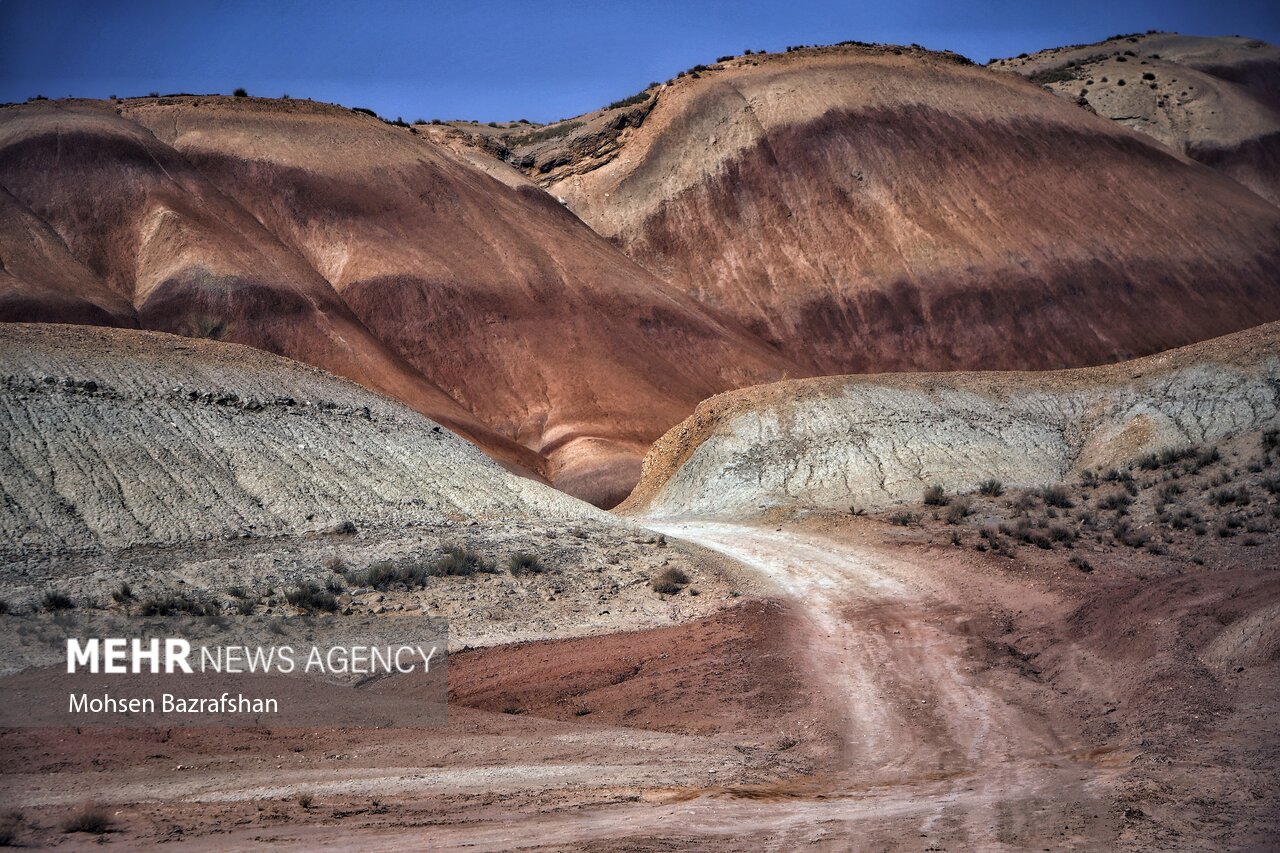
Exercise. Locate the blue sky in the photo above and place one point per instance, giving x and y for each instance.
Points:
(502, 60)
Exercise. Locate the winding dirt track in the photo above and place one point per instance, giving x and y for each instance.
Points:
(937, 755)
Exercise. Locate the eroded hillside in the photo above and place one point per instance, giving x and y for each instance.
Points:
(873, 441)
(364, 248)
(117, 438)
(873, 208)
(1215, 99)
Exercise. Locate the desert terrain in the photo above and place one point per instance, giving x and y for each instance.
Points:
(849, 447)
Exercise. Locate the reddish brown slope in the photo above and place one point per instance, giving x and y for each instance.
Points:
(872, 211)
(530, 320)
(140, 235)
(334, 238)
(40, 280)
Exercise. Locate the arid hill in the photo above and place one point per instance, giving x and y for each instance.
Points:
(118, 229)
(364, 248)
(117, 437)
(873, 441)
(1217, 100)
(868, 208)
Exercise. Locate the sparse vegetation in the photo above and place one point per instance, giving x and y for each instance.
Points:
(991, 488)
(637, 98)
(171, 605)
(54, 600)
(1057, 496)
(309, 596)
(669, 581)
(553, 131)
(935, 495)
(455, 562)
(522, 563)
(89, 819)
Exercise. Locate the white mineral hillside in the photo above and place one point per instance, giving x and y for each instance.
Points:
(873, 441)
(115, 437)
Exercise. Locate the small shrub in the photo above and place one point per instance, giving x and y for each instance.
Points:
(1019, 530)
(903, 519)
(669, 581)
(123, 594)
(240, 93)
(1271, 439)
(169, 605)
(957, 511)
(1127, 536)
(1118, 501)
(89, 819)
(1207, 457)
(1061, 533)
(638, 98)
(460, 562)
(213, 615)
(854, 509)
(306, 801)
(54, 600)
(991, 488)
(522, 563)
(4, 607)
(1056, 496)
(1226, 497)
(1024, 501)
(309, 596)
(246, 607)
(1082, 564)
(935, 496)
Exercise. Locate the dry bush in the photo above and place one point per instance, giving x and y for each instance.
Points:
(669, 581)
(522, 563)
(991, 488)
(89, 819)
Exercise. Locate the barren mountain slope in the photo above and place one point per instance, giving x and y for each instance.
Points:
(536, 326)
(1216, 99)
(867, 210)
(157, 245)
(872, 441)
(41, 281)
(117, 437)
(530, 320)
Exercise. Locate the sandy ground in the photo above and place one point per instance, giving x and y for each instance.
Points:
(891, 698)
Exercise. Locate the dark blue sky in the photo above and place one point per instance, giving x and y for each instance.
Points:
(501, 60)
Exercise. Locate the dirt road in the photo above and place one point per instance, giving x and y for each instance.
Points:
(939, 749)
(937, 755)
